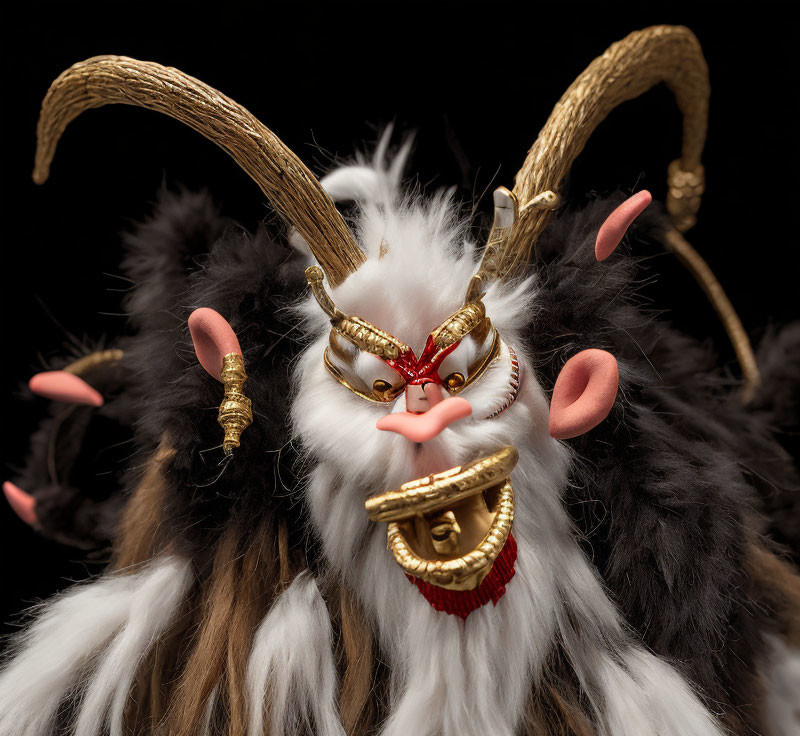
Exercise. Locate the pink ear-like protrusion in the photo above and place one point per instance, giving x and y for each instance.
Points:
(213, 339)
(612, 230)
(584, 393)
(23, 504)
(66, 387)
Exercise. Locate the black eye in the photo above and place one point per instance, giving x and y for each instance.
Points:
(382, 389)
(454, 381)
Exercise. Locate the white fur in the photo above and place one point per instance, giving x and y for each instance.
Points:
(361, 182)
(51, 654)
(450, 677)
(782, 670)
(208, 713)
(291, 664)
(154, 606)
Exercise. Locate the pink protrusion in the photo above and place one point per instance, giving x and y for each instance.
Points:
(23, 504)
(422, 398)
(213, 339)
(66, 387)
(612, 230)
(584, 393)
(425, 426)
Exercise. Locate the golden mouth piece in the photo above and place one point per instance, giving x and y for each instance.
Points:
(448, 528)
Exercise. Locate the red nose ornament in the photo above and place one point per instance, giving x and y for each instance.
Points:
(424, 369)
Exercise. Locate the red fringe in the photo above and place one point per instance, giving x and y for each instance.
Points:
(462, 603)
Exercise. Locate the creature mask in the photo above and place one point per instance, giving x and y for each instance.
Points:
(439, 411)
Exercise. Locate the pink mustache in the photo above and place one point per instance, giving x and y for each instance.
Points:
(425, 426)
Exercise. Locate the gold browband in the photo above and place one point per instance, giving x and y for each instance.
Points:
(474, 372)
(359, 332)
(469, 319)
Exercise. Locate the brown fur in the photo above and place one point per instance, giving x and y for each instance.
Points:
(259, 583)
(778, 582)
(357, 644)
(209, 644)
(205, 666)
(247, 574)
(137, 539)
(555, 706)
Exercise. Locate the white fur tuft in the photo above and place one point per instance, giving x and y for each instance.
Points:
(71, 629)
(782, 670)
(374, 182)
(154, 606)
(291, 664)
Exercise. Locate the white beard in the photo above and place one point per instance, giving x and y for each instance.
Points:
(454, 678)
(450, 677)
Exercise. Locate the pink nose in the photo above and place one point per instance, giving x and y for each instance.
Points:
(428, 413)
(420, 398)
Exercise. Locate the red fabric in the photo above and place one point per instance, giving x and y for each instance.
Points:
(462, 603)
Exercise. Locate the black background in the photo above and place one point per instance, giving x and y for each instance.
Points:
(476, 82)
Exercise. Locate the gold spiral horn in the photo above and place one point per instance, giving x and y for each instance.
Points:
(289, 186)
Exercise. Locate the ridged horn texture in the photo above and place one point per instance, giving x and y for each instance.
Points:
(88, 363)
(629, 68)
(287, 183)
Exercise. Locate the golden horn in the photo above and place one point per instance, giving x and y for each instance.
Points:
(629, 68)
(290, 187)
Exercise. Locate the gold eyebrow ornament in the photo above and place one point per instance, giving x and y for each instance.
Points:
(365, 336)
(361, 333)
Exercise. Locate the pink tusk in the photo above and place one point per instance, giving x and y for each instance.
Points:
(617, 223)
(423, 427)
(213, 339)
(23, 504)
(66, 387)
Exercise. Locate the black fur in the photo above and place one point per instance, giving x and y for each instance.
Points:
(250, 280)
(76, 461)
(667, 489)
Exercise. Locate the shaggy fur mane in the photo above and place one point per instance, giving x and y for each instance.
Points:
(674, 496)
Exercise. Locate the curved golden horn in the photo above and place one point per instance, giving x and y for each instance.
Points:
(290, 187)
(94, 360)
(629, 68)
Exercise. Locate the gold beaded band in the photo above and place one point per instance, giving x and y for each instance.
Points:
(235, 411)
